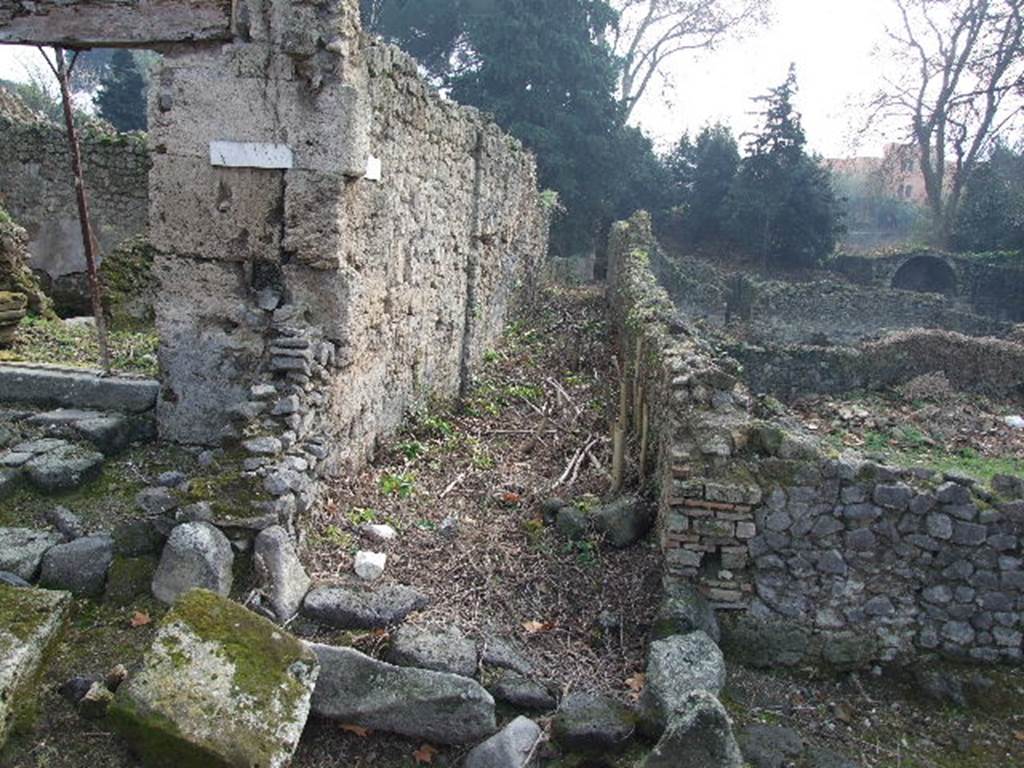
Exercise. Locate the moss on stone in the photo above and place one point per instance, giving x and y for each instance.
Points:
(255, 646)
(129, 285)
(128, 578)
(22, 612)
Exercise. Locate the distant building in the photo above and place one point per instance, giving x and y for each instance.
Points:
(897, 174)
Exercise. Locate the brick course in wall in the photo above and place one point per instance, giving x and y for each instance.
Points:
(809, 557)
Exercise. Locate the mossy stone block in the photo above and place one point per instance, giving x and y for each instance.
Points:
(30, 621)
(219, 688)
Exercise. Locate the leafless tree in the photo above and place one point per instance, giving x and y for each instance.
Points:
(651, 32)
(961, 86)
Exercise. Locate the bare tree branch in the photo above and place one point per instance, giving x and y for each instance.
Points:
(651, 32)
(964, 90)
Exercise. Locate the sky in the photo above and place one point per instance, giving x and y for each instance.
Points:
(830, 41)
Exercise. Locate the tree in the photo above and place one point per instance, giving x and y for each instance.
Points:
(702, 174)
(545, 71)
(651, 32)
(961, 85)
(122, 93)
(782, 204)
(991, 217)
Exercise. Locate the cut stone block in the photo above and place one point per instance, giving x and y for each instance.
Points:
(420, 704)
(30, 620)
(64, 469)
(219, 687)
(22, 550)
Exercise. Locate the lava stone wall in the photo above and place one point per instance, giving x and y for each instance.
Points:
(810, 558)
(37, 190)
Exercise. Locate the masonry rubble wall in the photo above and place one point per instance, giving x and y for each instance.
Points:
(819, 311)
(986, 366)
(987, 284)
(809, 557)
(37, 190)
(305, 310)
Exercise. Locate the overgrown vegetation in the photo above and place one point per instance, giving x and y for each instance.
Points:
(53, 341)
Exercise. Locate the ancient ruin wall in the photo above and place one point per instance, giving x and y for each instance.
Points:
(37, 189)
(308, 305)
(986, 366)
(814, 557)
(826, 311)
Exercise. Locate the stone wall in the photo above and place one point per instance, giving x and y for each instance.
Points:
(985, 284)
(809, 557)
(818, 311)
(986, 366)
(305, 310)
(37, 189)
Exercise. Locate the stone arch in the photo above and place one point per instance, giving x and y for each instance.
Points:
(926, 274)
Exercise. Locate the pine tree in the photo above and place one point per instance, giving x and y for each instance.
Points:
(782, 203)
(122, 93)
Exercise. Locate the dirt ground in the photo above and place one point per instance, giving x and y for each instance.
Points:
(464, 488)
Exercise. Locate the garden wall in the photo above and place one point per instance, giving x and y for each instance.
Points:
(37, 190)
(809, 556)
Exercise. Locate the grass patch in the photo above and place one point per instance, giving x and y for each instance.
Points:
(41, 340)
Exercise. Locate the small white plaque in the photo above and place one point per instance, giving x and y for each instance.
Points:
(374, 169)
(248, 154)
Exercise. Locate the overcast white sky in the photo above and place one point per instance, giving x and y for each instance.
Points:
(831, 43)
(829, 40)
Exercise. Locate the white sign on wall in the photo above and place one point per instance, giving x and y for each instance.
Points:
(248, 154)
(374, 169)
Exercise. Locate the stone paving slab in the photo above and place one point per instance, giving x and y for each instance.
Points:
(30, 385)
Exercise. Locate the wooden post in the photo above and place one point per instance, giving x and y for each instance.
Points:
(619, 435)
(62, 69)
(644, 429)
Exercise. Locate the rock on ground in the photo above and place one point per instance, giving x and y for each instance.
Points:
(512, 688)
(676, 667)
(219, 686)
(699, 735)
(283, 582)
(684, 610)
(22, 550)
(196, 555)
(418, 703)
(441, 650)
(80, 566)
(362, 608)
(586, 723)
(369, 566)
(770, 746)
(63, 469)
(496, 652)
(623, 522)
(30, 619)
(515, 746)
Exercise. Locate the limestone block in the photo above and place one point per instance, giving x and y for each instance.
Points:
(210, 347)
(229, 214)
(220, 686)
(29, 620)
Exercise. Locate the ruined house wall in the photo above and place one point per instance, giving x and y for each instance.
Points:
(37, 189)
(810, 557)
(991, 367)
(986, 284)
(306, 309)
(818, 311)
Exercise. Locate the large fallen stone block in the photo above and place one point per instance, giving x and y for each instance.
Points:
(418, 703)
(676, 667)
(30, 619)
(219, 687)
(699, 735)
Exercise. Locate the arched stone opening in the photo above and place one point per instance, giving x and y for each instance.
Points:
(926, 274)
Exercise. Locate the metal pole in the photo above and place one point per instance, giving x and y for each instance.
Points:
(63, 72)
